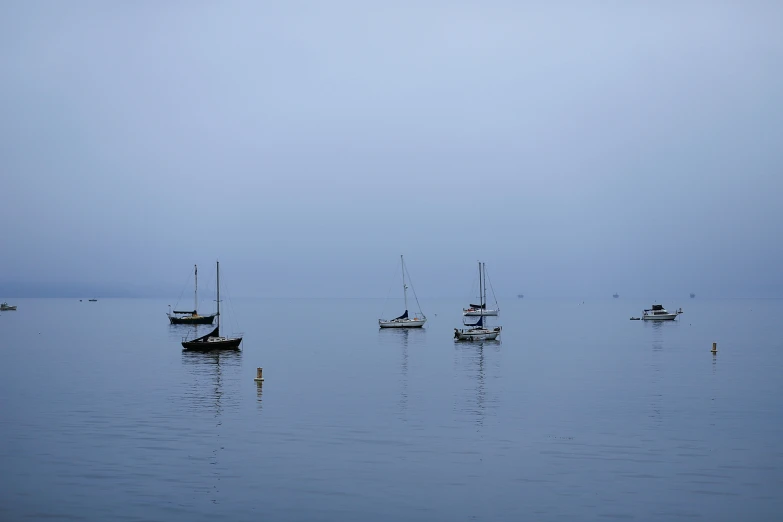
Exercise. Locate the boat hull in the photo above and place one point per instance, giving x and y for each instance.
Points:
(199, 319)
(405, 323)
(7, 308)
(472, 312)
(212, 344)
(476, 334)
(659, 317)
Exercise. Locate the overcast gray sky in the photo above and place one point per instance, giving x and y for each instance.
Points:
(579, 148)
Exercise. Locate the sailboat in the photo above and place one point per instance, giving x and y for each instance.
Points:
(190, 316)
(404, 321)
(477, 331)
(213, 340)
(481, 309)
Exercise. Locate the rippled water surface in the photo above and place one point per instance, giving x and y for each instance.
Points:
(577, 414)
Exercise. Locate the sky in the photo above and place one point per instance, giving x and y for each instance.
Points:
(578, 148)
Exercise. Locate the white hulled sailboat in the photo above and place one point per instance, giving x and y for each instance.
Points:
(404, 321)
(481, 309)
(477, 331)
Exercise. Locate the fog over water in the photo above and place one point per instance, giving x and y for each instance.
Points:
(578, 150)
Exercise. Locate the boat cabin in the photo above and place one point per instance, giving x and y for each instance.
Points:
(656, 310)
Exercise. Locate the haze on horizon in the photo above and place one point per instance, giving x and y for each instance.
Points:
(579, 150)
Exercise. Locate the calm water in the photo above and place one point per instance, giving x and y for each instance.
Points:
(578, 414)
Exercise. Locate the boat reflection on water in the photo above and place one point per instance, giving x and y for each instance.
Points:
(402, 338)
(404, 374)
(212, 389)
(214, 379)
(475, 360)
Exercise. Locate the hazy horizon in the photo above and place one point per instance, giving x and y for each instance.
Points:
(578, 150)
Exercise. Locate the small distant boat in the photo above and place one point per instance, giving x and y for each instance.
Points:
(92, 300)
(190, 316)
(615, 295)
(693, 295)
(5, 307)
(481, 309)
(659, 313)
(213, 340)
(477, 332)
(520, 296)
(404, 321)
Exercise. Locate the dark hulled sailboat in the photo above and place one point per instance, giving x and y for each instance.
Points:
(191, 316)
(213, 340)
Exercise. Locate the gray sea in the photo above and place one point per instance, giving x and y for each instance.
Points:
(576, 414)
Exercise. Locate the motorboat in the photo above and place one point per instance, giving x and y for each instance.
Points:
(659, 313)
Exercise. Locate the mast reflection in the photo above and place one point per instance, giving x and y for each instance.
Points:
(210, 373)
(213, 388)
(474, 357)
(401, 339)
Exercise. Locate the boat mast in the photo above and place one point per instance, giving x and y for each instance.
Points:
(195, 296)
(484, 271)
(404, 286)
(481, 288)
(218, 296)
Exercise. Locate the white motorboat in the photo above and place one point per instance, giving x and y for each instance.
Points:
(659, 313)
(404, 321)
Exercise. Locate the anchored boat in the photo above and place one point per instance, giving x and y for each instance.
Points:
(478, 331)
(659, 313)
(190, 316)
(481, 309)
(213, 340)
(404, 321)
